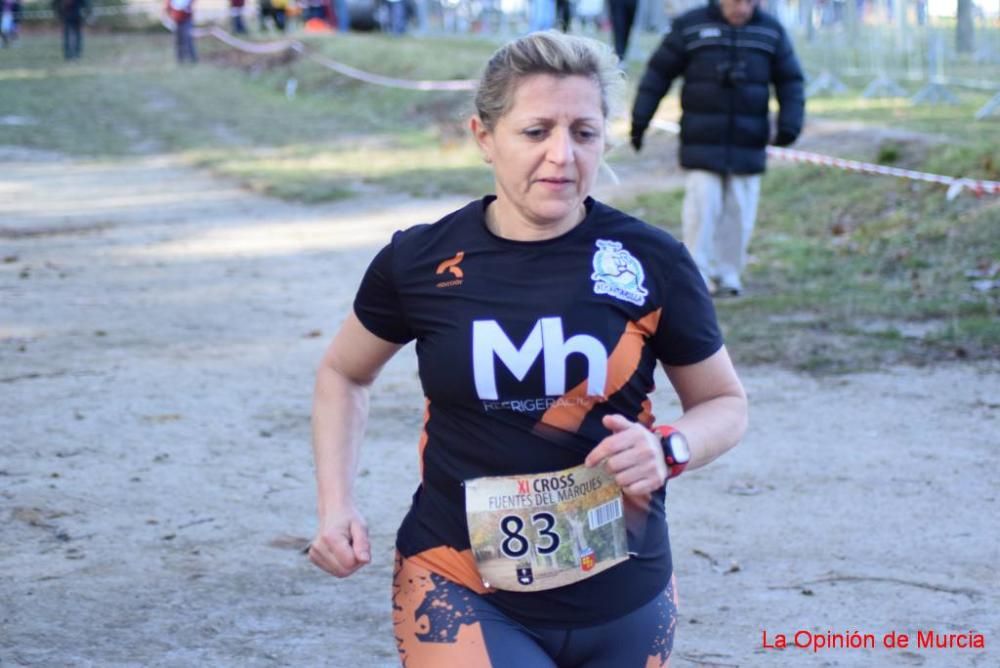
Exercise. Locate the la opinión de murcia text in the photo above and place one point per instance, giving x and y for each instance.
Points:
(830, 640)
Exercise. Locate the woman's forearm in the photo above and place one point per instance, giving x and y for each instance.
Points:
(340, 413)
(713, 427)
(715, 406)
(339, 417)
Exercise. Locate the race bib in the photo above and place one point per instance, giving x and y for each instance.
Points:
(542, 531)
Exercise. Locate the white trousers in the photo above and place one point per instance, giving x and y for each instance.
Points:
(719, 215)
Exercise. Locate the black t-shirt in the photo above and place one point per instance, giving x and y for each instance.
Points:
(523, 347)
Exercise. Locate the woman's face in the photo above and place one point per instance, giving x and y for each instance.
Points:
(545, 151)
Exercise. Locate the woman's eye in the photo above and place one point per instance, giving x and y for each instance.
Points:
(534, 133)
(586, 135)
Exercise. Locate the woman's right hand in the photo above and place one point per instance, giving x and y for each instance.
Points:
(341, 544)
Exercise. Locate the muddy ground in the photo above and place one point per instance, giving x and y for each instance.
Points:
(159, 330)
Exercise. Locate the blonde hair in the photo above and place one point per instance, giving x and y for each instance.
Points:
(546, 52)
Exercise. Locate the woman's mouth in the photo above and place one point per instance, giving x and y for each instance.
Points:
(556, 182)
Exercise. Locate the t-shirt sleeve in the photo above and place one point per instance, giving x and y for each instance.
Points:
(378, 305)
(688, 331)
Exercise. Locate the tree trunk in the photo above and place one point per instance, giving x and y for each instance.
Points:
(964, 29)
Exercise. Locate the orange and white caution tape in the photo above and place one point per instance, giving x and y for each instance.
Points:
(955, 184)
(262, 48)
(379, 80)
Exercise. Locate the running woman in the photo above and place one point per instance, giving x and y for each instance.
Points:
(537, 536)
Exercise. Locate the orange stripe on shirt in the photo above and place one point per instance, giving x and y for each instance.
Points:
(624, 360)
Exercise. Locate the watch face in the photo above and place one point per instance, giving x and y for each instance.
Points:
(677, 446)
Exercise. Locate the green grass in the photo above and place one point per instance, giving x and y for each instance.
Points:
(848, 271)
(421, 168)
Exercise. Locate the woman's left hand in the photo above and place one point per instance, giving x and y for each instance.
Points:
(632, 454)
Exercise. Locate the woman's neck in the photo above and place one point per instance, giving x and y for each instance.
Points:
(508, 223)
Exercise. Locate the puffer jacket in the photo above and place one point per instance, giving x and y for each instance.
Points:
(727, 74)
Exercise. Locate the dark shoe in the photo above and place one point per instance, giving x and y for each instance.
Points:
(727, 292)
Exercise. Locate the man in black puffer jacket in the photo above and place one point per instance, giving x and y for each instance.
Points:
(729, 53)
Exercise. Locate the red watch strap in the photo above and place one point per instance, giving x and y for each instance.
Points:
(664, 429)
(675, 469)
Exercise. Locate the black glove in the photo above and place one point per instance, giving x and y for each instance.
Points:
(784, 138)
(636, 139)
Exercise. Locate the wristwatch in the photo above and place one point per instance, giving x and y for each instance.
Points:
(675, 449)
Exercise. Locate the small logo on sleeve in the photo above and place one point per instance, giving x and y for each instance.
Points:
(618, 273)
(451, 265)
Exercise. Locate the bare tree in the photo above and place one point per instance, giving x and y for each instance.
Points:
(965, 28)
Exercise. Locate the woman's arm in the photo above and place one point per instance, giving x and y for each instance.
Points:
(340, 413)
(714, 420)
(714, 405)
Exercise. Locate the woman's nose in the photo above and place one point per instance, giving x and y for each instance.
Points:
(560, 148)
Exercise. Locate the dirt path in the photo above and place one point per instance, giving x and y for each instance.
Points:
(158, 335)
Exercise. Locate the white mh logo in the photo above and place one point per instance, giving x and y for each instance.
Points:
(546, 338)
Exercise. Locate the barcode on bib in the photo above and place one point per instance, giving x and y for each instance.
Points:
(604, 513)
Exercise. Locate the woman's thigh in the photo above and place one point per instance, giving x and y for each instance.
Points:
(643, 638)
(440, 623)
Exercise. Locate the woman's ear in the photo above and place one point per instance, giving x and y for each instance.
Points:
(483, 137)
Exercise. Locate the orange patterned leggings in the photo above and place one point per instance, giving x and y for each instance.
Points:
(440, 623)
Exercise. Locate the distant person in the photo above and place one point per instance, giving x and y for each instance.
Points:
(538, 534)
(264, 12)
(72, 14)
(279, 13)
(343, 15)
(8, 9)
(272, 11)
(182, 13)
(564, 14)
(729, 53)
(236, 16)
(622, 14)
(397, 16)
